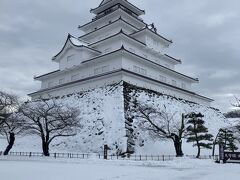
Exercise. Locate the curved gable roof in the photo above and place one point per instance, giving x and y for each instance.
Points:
(73, 41)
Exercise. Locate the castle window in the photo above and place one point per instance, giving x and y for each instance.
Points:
(107, 11)
(105, 68)
(183, 86)
(143, 71)
(145, 56)
(97, 71)
(50, 84)
(102, 69)
(174, 83)
(155, 43)
(74, 77)
(139, 70)
(70, 58)
(61, 81)
(162, 78)
(136, 69)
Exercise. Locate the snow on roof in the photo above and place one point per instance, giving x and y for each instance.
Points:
(104, 1)
(77, 42)
(152, 32)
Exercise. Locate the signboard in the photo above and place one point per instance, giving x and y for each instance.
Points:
(235, 156)
(228, 156)
(106, 148)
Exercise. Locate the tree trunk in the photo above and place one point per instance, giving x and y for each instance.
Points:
(45, 148)
(199, 150)
(10, 144)
(178, 146)
(213, 150)
(214, 144)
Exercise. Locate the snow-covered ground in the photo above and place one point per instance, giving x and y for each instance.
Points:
(13, 168)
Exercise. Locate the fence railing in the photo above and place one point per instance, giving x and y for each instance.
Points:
(215, 157)
(54, 155)
(132, 157)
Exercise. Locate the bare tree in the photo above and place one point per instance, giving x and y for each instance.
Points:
(162, 125)
(8, 103)
(8, 125)
(49, 120)
(10, 128)
(237, 103)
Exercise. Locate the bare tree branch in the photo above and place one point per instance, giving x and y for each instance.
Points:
(161, 124)
(49, 119)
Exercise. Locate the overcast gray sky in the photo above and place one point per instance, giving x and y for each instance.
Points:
(206, 36)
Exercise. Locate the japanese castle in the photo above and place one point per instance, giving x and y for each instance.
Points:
(117, 46)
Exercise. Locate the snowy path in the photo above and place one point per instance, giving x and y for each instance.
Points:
(180, 169)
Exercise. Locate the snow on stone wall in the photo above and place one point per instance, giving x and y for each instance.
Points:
(213, 118)
(101, 116)
(106, 117)
(101, 113)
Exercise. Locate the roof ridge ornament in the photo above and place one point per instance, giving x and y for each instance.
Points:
(121, 31)
(152, 27)
(110, 3)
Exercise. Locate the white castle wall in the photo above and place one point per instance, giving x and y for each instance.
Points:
(109, 31)
(74, 57)
(80, 86)
(153, 72)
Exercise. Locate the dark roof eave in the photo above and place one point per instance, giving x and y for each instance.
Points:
(53, 72)
(169, 41)
(115, 71)
(82, 63)
(119, 33)
(194, 79)
(123, 49)
(170, 85)
(109, 14)
(69, 83)
(178, 60)
(116, 21)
